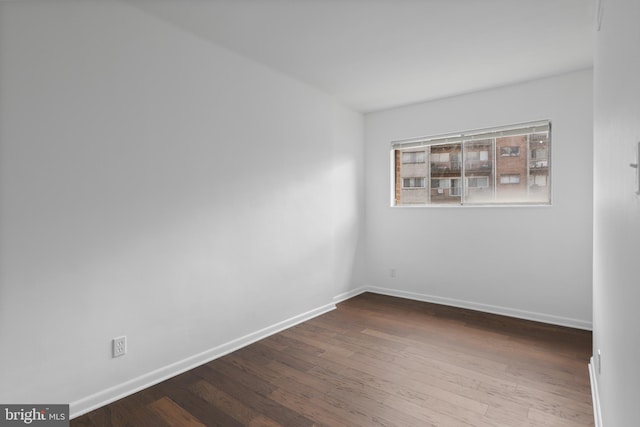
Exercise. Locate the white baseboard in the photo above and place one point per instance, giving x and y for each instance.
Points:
(349, 294)
(119, 391)
(595, 396)
(511, 312)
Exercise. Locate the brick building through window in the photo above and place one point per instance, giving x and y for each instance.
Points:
(509, 165)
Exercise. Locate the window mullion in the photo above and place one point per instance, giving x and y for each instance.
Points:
(428, 160)
(463, 178)
(494, 168)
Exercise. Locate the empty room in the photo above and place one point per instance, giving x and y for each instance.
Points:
(319, 213)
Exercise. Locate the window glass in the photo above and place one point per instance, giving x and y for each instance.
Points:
(507, 165)
(510, 151)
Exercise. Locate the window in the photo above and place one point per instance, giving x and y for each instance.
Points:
(413, 183)
(509, 151)
(538, 153)
(506, 165)
(478, 181)
(455, 187)
(539, 180)
(413, 157)
(440, 157)
(510, 179)
(445, 187)
(478, 155)
(440, 183)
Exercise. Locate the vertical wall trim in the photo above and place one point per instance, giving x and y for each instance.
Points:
(597, 414)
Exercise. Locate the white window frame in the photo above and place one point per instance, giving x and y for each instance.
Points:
(538, 129)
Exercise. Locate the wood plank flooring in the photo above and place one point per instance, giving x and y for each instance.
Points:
(380, 361)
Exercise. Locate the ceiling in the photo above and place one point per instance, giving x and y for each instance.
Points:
(377, 54)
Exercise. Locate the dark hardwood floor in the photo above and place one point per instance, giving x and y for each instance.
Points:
(380, 361)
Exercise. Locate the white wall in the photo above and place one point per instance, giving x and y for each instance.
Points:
(156, 186)
(616, 289)
(532, 262)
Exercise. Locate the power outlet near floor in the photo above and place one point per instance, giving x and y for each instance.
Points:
(119, 346)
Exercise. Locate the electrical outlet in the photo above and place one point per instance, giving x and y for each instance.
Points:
(119, 346)
(392, 273)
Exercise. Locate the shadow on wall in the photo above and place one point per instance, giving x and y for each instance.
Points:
(170, 245)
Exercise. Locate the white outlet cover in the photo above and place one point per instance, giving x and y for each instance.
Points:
(119, 346)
